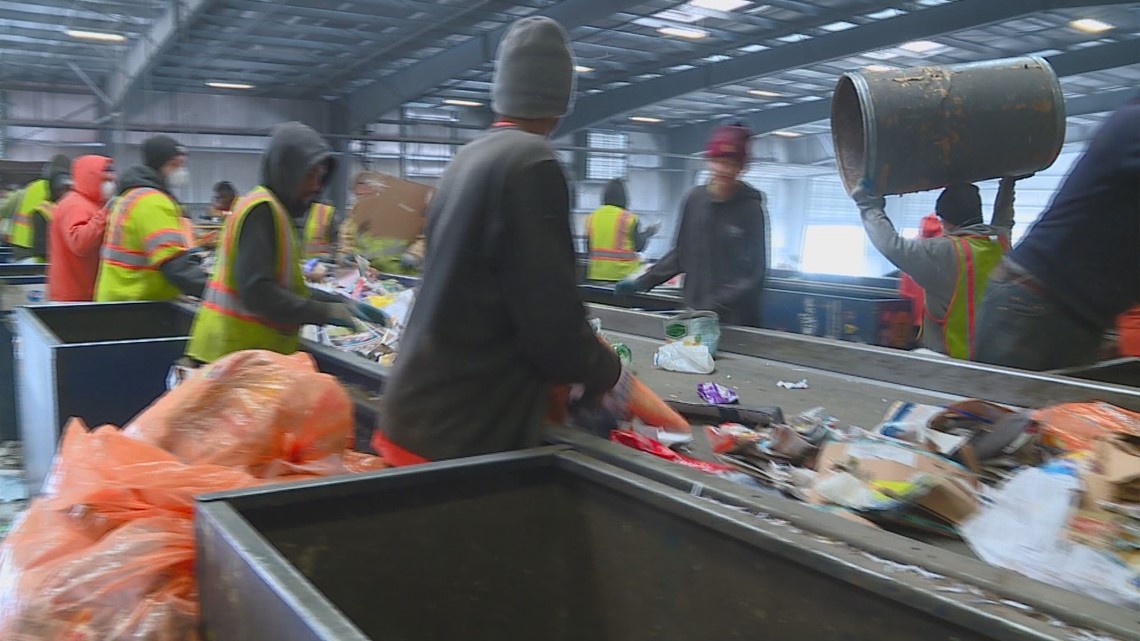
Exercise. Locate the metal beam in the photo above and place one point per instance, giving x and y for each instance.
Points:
(372, 101)
(927, 23)
(691, 138)
(142, 56)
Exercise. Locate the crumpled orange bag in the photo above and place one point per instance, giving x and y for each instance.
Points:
(107, 554)
(249, 409)
(1077, 426)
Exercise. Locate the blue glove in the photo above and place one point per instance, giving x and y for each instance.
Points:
(369, 314)
(627, 287)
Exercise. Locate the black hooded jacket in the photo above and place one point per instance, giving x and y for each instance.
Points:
(184, 271)
(293, 151)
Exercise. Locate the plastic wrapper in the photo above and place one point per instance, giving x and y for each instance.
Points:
(717, 394)
(686, 359)
(632, 439)
(248, 410)
(1076, 426)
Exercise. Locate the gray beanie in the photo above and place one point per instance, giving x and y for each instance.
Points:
(534, 71)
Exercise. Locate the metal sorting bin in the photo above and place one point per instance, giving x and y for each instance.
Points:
(543, 544)
(19, 285)
(102, 363)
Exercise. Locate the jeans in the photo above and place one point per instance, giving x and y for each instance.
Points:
(1018, 326)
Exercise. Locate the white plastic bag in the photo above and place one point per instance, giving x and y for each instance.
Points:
(688, 359)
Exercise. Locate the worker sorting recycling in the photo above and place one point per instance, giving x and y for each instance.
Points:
(615, 236)
(257, 297)
(722, 239)
(146, 255)
(77, 230)
(33, 218)
(498, 321)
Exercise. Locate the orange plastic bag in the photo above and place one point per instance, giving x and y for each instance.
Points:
(249, 409)
(1076, 426)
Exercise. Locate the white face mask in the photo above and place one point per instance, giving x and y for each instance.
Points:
(107, 190)
(179, 178)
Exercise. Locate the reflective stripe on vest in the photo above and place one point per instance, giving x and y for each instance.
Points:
(224, 324)
(611, 237)
(316, 229)
(977, 257)
(23, 229)
(114, 251)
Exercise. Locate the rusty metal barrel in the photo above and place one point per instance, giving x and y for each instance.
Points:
(909, 130)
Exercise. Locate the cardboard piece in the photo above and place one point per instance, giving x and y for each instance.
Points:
(949, 496)
(1118, 464)
(396, 212)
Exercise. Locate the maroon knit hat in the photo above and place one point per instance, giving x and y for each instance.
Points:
(731, 142)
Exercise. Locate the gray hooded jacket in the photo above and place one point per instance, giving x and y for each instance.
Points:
(294, 150)
(932, 262)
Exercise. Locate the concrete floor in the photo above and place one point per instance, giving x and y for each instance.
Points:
(852, 400)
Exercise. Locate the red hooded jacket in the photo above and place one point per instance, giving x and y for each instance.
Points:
(76, 234)
(930, 227)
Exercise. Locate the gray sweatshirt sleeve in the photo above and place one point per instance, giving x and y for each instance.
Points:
(917, 258)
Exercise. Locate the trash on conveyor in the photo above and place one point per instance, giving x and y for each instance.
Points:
(686, 359)
(717, 394)
(108, 551)
(802, 384)
(1067, 511)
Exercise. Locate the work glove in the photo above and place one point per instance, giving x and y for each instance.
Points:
(652, 230)
(864, 196)
(369, 314)
(627, 287)
(341, 315)
(601, 415)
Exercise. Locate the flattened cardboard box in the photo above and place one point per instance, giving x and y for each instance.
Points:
(396, 212)
(953, 499)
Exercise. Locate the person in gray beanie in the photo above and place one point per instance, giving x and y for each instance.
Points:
(498, 321)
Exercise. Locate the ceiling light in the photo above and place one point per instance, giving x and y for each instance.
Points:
(720, 5)
(842, 25)
(229, 85)
(786, 134)
(1091, 25)
(764, 93)
(101, 36)
(581, 69)
(921, 46)
(683, 32)
(645, 119)
(878, 68)
(462, 103)
(673, 15)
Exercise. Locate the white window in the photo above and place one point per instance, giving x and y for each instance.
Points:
(604, 166)
(835, 249)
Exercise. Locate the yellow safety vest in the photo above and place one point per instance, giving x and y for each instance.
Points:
(224, 325)
(35, 202)
(611, 236)
(977, 257)
(143, 232)
(317, 241)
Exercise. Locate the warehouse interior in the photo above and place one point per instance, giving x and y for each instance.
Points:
(392, 452)
(394, 85)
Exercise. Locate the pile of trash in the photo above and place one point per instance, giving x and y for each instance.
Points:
(107, 552)
(1053, 494)
(374, 342)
